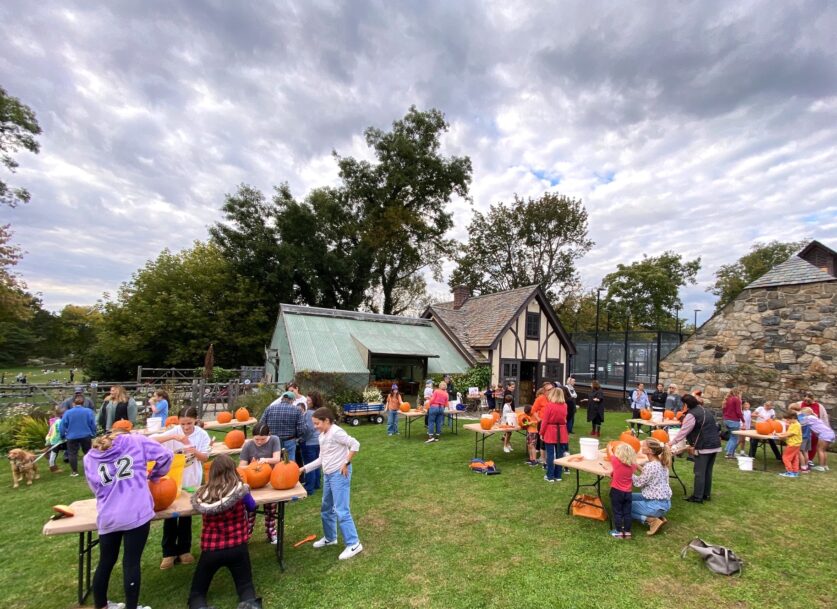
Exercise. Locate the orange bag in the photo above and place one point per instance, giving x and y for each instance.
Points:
(588, 506)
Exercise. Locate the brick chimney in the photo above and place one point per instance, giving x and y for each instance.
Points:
(460, 295)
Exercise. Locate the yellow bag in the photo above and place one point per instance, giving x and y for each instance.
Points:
(178, 464)
(588, 506)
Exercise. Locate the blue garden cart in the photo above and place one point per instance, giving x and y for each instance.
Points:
(354, 412)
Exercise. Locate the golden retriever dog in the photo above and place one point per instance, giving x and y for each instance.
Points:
(23, 466)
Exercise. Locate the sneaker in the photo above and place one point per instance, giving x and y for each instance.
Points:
(729, 456)
(787, 475)
(73, 474)
(273, 540)
(322, 542)
(548, 479)
(810, 463)
(818, 468)
(511, 449)
(429, 440)
(626, 535)
(186, 559)
(639, 431)
(741, 453)
(804, 470)
(351, 551)
(566, 453)
(615, 533)
(436, 438)
(167, 563)
(115, 605)
(506, 449)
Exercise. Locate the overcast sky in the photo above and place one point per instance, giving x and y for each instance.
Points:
(701, 127)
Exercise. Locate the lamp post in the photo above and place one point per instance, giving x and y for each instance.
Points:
(696, 312)
(677, 320)
(596, 341)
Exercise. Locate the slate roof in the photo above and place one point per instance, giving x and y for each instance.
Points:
(793, 271)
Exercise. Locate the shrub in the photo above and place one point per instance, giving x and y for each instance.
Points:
(258, 400)
(30, 432)
(372, 395)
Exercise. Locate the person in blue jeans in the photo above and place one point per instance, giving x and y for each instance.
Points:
(733, 417)
(436, 413)
(337, 449)
(651, 505)
(393, 406)
(311, 442)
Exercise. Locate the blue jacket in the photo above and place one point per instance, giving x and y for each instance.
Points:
(78, 423)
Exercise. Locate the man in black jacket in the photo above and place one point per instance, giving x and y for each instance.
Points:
(658, 399)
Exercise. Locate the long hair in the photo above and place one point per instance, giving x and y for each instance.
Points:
(556, 396)
(121, 394)
(595, 385)
(324, 414)
(161, 393)
(105, 441)
(660, 450)
(222, 480)
(316, 398)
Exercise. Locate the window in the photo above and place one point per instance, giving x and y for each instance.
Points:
(533, 325)
(554, 371)
(509, 371)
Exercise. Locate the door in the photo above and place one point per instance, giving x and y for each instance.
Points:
(528, 383)
(510, 372)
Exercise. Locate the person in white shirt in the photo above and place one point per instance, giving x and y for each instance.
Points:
(337, 449)
(764, 413)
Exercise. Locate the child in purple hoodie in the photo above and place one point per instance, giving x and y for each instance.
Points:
(116, 471)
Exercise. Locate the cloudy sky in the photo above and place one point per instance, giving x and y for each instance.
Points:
(702, 127)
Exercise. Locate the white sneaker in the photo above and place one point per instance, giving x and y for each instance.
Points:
(114, 605)
(429, 440)
(506, 449)
(73, 475)
(274, 540)
(322, 542)
(351, 551)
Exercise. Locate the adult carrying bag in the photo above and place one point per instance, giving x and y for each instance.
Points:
(718, 558)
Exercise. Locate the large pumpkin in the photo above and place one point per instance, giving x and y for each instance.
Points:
(285, 474)
(611, 446)
(668, 415)
(224, 417)
(405, 407)
(645, 414)
(163, 491)
(242, 473)
(496, 415)
(123, 425)
(234, 439)
(486, 421)
(242, 415)
(764, 428)
(777, 426)
(660, 434)
(172, 420)
(258, 474)
(628, 438)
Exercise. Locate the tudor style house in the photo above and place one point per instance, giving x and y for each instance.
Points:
(515, 332)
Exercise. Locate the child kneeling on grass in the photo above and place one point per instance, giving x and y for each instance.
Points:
(623, 462)
(337, 449)
(654, 501)
(793, 442)
(224, 503)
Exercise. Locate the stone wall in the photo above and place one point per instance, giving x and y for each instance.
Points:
(772, 343)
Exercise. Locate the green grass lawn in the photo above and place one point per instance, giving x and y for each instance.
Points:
(436, 535)
(35, 374)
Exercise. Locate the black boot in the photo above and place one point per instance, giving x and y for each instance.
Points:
(255, 603)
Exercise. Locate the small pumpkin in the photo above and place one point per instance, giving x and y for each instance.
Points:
(668, 415)
(234, 439)
(258, 474)
(777, 426)
(611, 446)
(764, 428)
(523, 420)
(285, 474)
(122, 425)
(223, 417)
(172, 420)
(242, 415)
(628, 438)
(496, 415)
(680, 414)
(486, 422)
(660, 434)
(163, 492)
(645, 414)
(405, 407)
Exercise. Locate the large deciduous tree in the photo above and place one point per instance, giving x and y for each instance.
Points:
(648, 290)
(731, 279)
(533, 241)
(18, 128)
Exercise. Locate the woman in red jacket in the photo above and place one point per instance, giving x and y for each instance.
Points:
(733, 418)
(554, 431)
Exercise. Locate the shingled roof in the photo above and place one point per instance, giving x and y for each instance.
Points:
(793, 271)
(482, 319)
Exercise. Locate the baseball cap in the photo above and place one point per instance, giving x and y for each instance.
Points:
(78, 389)
(289, 394)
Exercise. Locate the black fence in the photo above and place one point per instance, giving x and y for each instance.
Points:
(611, 367)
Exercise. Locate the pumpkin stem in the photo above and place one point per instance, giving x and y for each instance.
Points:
(284, 455)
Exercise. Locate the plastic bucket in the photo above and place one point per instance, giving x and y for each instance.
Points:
(657, 417)
(178, 463)
(589, 448)
(745, 464)
(153, 424)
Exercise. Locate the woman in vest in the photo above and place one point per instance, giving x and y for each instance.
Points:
(701, 432)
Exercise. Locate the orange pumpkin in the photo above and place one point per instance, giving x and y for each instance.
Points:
(405, 407)
(486, 422)
(242, 415)
(496, 415)
(523, 420)
(258, 474)
(777, 426)
(680, 414)
(645, 414)
(223, 417)
(172, 420)
(234, 439)
(242, 473)
(123, 425)
(668, 415)
(163, 491)
(611, 446)
(427, 405)
(285, 474)
(764, 428)
(660, 434)
(628, 438)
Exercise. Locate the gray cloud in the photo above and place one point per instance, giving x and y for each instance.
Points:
(699, 126)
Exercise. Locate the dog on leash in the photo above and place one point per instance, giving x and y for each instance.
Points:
(23, 466)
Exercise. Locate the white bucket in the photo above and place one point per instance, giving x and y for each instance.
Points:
(745, 464)
(589, 448)
(153, 423)
(657, 417)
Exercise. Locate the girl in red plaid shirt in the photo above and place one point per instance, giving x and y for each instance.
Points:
(224, 502)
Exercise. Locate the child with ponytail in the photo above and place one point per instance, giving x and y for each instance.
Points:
(653, 501)
(116, 471)
(224, 502)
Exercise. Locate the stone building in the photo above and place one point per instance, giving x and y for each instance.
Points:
(777, 339)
